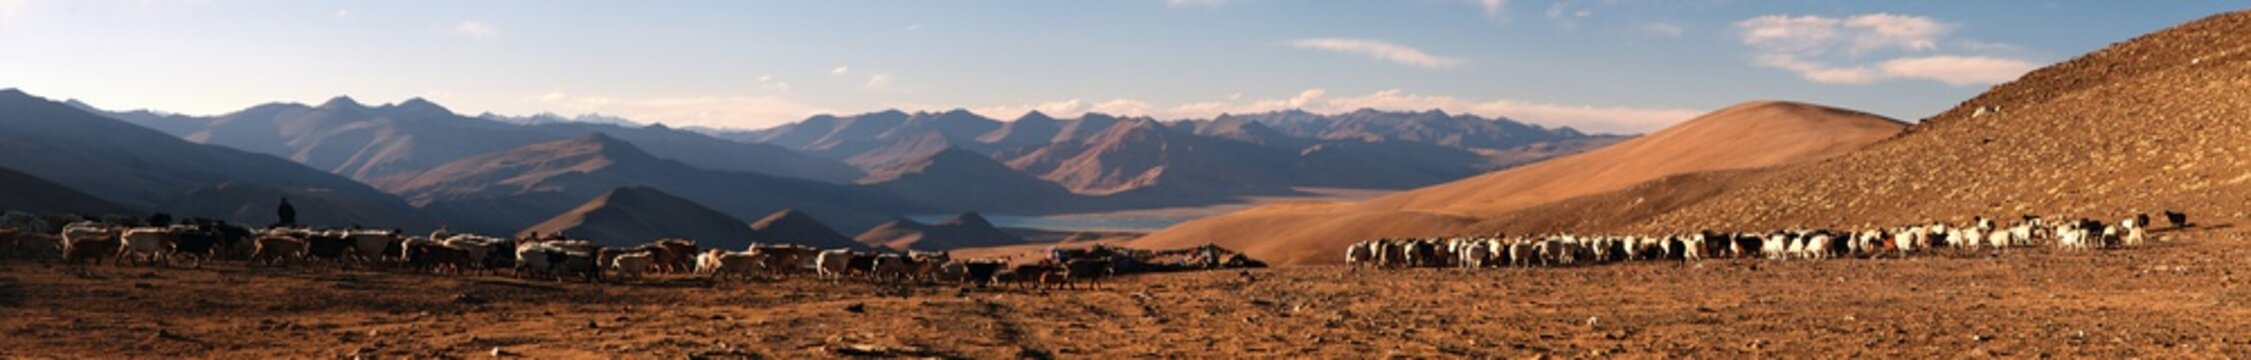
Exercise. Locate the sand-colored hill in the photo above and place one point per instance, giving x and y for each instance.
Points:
(1750, 135)
(2154, 123)
(629, 216)
(962, 231)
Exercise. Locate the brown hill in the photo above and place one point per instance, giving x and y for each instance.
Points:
(1750, 135)
(1034, 128)
(953, 180)
(1141, 153)
(790, 226)
(23, 192)
(516, 188)
(2153, 123)
(631, 216)
(963, 231)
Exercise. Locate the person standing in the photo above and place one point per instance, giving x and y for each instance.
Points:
(287, 213)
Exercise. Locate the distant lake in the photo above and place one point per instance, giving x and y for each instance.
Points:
(1068, 223)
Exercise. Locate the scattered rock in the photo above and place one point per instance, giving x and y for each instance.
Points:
(856, 308)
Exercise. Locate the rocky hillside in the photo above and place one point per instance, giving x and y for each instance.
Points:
(2157, 122)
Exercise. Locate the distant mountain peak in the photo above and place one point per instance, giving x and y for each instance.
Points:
(1035, 115)
(420, 105)
(342, 102)
(971, 219)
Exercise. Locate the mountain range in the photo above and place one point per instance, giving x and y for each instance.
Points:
(418, 165)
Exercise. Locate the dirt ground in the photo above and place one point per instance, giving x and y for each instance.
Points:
(2174, 300)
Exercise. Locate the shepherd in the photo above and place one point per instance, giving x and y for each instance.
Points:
(287, 213)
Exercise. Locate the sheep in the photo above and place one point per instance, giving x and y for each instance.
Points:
(673, 255)
(833, 263)
(2178, 219)
(88, 243)
(631, 266)
(2135, 236)
(433, 256)
(893, 267)
(148, 244)
(1356, 254)
(370, 246)
(734, 264)
(1476, 255)
(1523, 254)
(1777, 246)
(275, 248)
(2001, 239)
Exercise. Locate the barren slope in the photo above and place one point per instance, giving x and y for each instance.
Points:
(1749, 135)
(2153, 123)
(630, 216)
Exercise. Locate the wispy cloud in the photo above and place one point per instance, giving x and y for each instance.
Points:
(476, 30)
(840, 69)
(1958, 70)
(1400, 54)
(1832, 50)
(879, 81)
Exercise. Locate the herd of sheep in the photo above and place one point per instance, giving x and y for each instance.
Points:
(1566, 250)
(551, 257)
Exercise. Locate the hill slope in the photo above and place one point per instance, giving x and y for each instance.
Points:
(962, 231)
(148, 170)
(2152, 123)
(522, 186)
(1749, 135)
(23, 192)
(631, 216)
(790, 226)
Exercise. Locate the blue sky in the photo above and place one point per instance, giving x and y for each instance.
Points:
(1613, 66)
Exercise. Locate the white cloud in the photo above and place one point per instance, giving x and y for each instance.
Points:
(1589, 118)
(1959, 70)
(476, 30)
(840, 69)
(1832, 50)
(879, 81)
(1664, 29)
(1380, 50)
(343, 13)
(768, 82)
(710, 111)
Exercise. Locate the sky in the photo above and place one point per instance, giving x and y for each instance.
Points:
(1616, 66)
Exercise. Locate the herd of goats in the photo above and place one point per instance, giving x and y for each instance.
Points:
(560, 258)
(197, 241)
(1567, 250)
